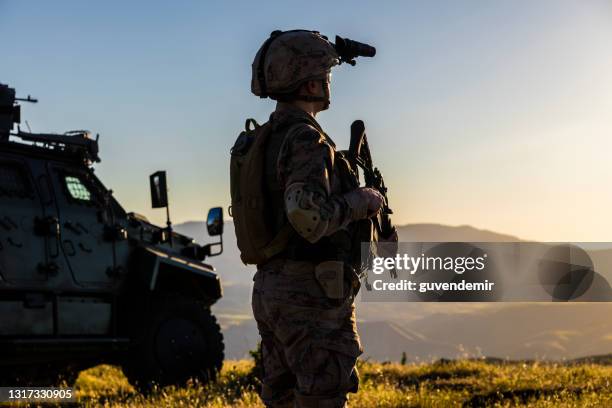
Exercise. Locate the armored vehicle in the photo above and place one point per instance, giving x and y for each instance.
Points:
(84, 282)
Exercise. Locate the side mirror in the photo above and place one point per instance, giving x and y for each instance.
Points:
(214, 224)
(214, 221)
(159, 189)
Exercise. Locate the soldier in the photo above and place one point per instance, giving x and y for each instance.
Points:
(303, 296)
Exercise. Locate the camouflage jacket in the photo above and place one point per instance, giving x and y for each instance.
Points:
(309, 177)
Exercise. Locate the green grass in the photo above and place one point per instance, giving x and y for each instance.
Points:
(460, 383)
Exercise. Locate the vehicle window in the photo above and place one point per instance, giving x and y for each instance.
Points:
(14, 181)
(77, 189)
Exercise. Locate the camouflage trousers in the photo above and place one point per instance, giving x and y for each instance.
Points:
(309, 341)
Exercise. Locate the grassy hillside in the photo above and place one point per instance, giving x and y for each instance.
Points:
(442, 384)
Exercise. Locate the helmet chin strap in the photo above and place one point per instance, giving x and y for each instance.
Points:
(314, 98)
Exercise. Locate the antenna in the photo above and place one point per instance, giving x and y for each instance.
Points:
(28, 99)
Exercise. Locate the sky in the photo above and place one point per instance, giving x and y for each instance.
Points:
(496, 114)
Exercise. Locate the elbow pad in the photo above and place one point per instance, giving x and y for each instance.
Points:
(303, 213)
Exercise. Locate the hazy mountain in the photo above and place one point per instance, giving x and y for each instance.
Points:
(516, 331)
(445, 233)
(432, 330)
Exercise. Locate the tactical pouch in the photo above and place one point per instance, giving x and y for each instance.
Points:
(330, 275)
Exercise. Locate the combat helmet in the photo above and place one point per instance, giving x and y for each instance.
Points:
(288, 59)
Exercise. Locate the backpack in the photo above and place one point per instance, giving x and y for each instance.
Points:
(256, 239)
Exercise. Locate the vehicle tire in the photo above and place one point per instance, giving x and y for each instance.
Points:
(179, 339)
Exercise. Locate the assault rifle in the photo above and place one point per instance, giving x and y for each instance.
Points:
(360, 157)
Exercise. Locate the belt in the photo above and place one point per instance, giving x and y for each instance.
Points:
(315, 253)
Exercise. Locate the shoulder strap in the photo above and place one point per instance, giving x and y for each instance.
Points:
(249, 122)
(282, 239)
(286, 233)
(312, 122)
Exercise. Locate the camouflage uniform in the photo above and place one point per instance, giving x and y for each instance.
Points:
(310, 341)
(303, 294)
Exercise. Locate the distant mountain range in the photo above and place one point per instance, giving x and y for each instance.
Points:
(445, 233)
(428, 331)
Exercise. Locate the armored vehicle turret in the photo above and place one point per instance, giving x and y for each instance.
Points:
(83, 282)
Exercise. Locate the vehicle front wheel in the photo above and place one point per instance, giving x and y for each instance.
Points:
(180, 339)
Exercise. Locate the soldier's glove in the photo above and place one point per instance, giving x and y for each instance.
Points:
(364, 202)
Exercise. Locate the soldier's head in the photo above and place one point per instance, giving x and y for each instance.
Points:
(295, 66)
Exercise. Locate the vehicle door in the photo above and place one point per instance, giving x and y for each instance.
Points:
(84, 220)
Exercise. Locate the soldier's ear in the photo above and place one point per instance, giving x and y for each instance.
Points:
(312, 87)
